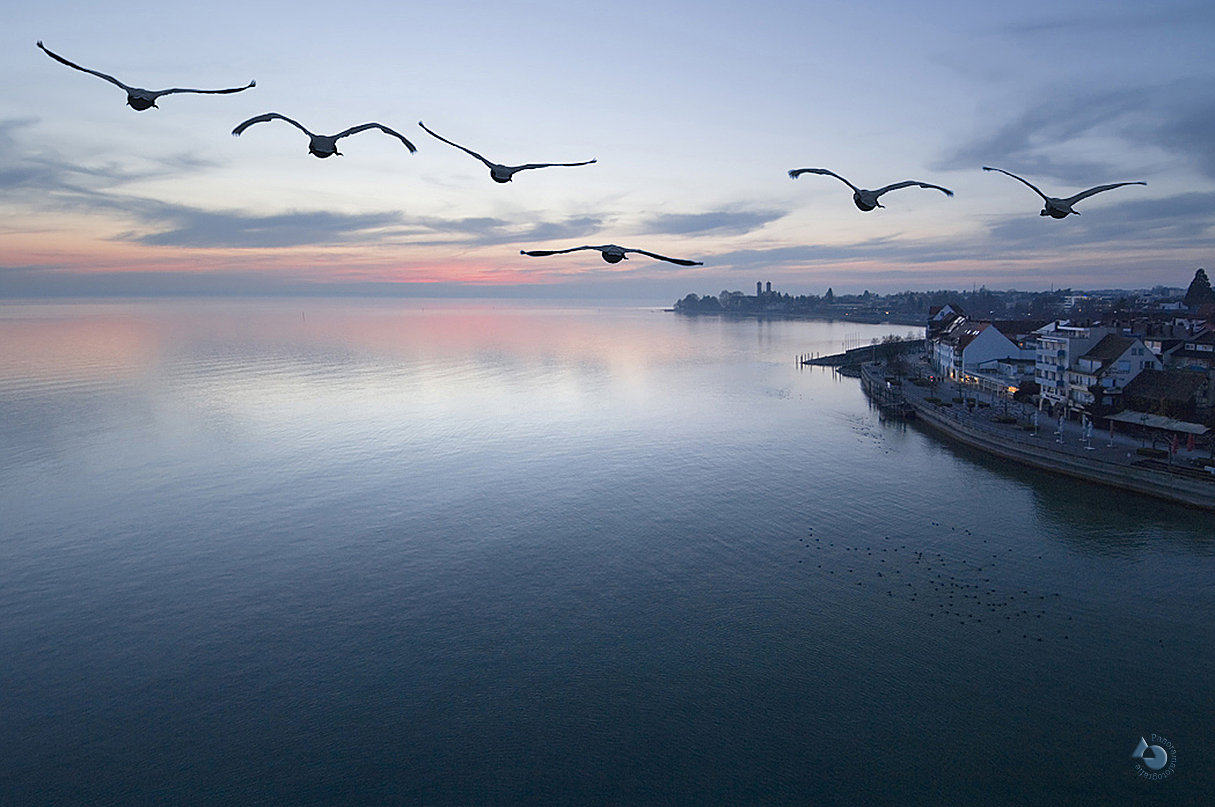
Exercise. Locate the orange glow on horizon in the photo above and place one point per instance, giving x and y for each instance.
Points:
(55, 254)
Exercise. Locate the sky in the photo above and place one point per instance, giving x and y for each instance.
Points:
(694, 112)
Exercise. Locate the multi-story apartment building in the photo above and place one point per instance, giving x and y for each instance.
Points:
(1059, 344)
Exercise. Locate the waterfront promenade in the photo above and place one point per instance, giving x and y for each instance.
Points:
(1062, 448)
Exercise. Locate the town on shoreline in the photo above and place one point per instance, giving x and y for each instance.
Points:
(1011, 372)
(913, 307)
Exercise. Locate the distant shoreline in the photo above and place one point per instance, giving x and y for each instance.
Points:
(909, 321)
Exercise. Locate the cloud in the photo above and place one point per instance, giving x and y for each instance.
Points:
(1175, 117)
(487, 231)
(1138, 21)
(1188, 131)
(40, 166)
(1030, 141)
(722, 222)
(1182, 221)
(35, 174)
(206, 229)
(41, 179)
(893, 249)
(37, 177)
(191, 227)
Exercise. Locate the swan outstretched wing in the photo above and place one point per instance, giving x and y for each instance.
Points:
(909, 183)
(679, 261)
(365, 126)
(62, 60)
(1026, 182)
(461, 148)
(1091, 191)
(268, 117)
(214, 92)
(539, 253)
(796, 172)
(548, 165)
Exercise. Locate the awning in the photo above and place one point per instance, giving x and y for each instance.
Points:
(1159, 422)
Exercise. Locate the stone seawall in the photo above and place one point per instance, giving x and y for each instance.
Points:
(1189, 489)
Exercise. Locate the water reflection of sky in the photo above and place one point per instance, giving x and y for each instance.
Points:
(616, 538)
(307, 360)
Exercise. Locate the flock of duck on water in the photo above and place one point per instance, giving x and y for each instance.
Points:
(326, 146)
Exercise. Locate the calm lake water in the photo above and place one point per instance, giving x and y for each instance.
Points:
(310, 552)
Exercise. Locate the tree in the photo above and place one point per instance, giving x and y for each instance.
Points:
(889, 346)
(1026, 391)
(829, 297)
(1199, 291)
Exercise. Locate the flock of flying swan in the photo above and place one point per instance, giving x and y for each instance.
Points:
(323, 146)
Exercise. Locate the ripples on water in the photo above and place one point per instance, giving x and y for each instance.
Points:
(311, 552)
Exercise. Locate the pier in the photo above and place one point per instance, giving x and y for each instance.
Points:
(866, 353)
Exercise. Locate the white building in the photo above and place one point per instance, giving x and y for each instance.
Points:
(1059, 345)
(1110, 365)
(1004, 376)
(967, 346)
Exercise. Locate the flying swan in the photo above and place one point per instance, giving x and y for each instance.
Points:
(611, 254)
(864, 199)
(502, 173)
(323, 145)
(138, 98)
(1060, 208)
